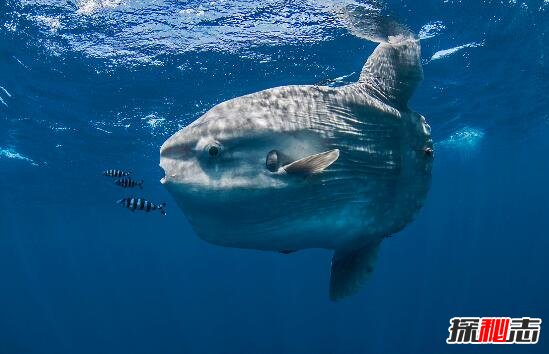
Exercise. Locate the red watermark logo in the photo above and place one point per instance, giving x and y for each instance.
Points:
(494, 330)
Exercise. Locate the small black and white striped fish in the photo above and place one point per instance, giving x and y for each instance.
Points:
(141, 204)
(116, 173)
(127, 182)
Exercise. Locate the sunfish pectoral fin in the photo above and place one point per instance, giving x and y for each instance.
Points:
(350, 269)
(312, 163)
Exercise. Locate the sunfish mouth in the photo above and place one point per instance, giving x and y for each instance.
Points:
(166, 178)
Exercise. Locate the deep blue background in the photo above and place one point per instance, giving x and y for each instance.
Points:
(78, 274)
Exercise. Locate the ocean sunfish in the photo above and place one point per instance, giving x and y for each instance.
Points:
(306, 166)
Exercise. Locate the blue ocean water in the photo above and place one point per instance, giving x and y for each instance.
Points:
(95, 84)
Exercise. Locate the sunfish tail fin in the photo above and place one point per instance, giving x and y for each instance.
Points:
(350, 269)
(393, 71)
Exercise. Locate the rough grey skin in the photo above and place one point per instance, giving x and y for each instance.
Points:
(369, 183)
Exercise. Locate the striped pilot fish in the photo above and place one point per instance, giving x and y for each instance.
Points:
(134, 204)
(127, 182)
(116, 173)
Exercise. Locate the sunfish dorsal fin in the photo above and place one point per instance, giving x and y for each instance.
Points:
(393, 71)
(350, 269)
(313, 163)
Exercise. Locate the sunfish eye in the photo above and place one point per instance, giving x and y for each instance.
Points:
(272, 162)
(213, 151)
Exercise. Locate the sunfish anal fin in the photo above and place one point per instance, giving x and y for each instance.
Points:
(350, 269)
(312, 164)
